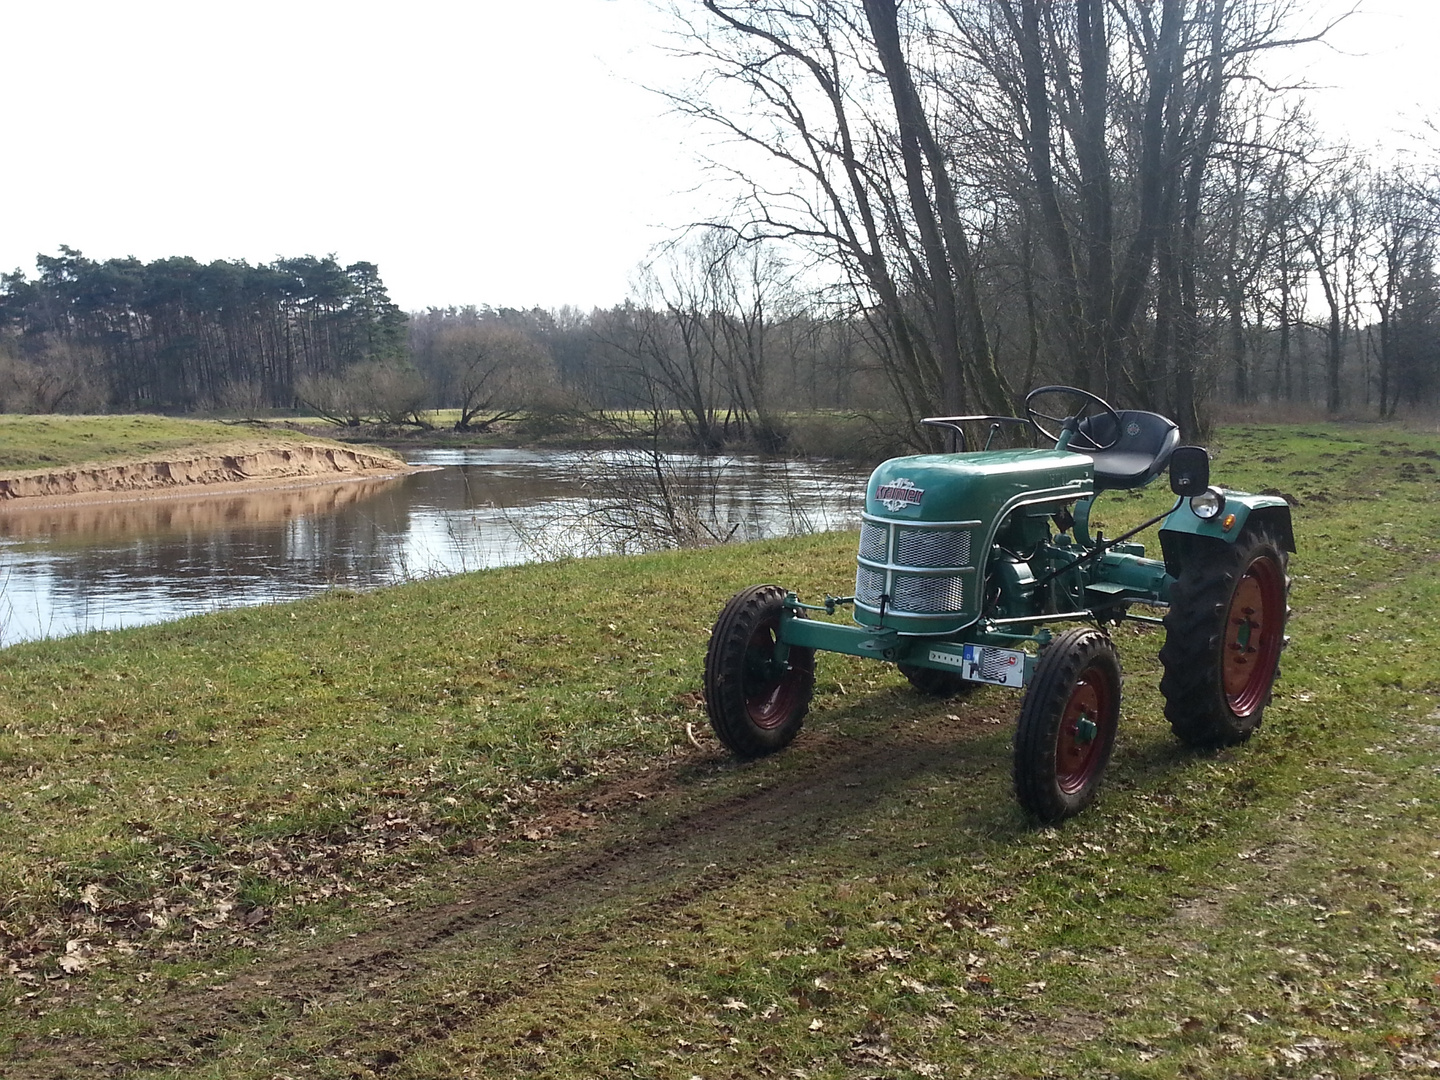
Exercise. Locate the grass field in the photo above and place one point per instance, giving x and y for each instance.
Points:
(39, 442)
(478, 827)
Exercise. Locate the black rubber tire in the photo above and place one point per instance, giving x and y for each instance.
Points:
(1210, 700)
(1067, 725)
(933, 683)
(753, 709)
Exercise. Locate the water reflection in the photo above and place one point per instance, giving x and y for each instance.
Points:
(143, 517)
(105, 566)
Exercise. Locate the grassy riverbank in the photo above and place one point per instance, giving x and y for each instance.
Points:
(40, 442)
(478, 827)
(102, 458)
(842, 436)
(59, 441)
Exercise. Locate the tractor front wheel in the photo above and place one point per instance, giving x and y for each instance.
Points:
(933, 683)
(1067, 725)
(1223, 636)
(757, 694)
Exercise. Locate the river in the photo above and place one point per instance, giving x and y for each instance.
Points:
(104, 566)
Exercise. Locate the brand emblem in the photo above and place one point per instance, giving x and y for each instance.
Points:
(1133, 429)
(899, 494)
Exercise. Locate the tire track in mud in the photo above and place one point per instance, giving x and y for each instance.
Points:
(517, 935)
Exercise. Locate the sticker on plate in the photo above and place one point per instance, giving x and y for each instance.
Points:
(987, 664)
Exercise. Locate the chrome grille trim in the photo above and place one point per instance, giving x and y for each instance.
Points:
(874, 542)
(919, 567)
(901, 545)
(880, 519)
(869, 586)
(928, 595)
(932, 547)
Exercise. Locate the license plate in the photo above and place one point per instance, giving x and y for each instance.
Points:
(1000, 667)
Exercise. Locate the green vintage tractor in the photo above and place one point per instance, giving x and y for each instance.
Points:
(967, 560)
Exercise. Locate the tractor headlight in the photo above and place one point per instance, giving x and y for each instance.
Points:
(1207, 504)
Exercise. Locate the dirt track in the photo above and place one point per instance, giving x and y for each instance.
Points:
(663, 838)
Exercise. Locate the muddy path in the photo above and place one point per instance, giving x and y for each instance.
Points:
(669, 836)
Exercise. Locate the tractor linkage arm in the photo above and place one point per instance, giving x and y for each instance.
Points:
(1102, 545)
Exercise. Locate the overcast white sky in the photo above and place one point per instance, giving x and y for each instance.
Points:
(479, 151)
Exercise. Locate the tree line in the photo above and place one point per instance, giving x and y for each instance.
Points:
(932, 206)
(178, 334)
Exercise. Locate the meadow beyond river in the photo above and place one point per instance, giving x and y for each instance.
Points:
(65, 569)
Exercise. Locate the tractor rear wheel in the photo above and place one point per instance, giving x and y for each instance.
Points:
(933, 683)
(757, 702)
(1224, 634)
(1067, 725)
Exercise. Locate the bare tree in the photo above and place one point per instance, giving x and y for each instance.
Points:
(61, 377)
(1331, 220)
(837, 152)
(944, 153)
(370, 393)
(491, 373)
(492, 365)
(666, 357)
(1259, 154)
(1402, 225)
(1115, 111)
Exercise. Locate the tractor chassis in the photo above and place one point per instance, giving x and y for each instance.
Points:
(1125, 579)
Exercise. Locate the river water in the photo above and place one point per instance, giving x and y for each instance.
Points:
(64, 570)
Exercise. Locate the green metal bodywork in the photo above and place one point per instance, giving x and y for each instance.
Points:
(959, 501)
(980, 486)
(1240, 506)
(981, 549)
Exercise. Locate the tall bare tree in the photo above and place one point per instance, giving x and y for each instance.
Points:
(1402, 225)
(944, 152)
(849, 164)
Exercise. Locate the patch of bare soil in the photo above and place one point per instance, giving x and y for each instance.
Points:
(622, 855)
(249, 463)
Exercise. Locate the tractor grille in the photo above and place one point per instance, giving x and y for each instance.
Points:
(927, 589)
(921, 595)
(874, 542)
(869, 586)
(927, 595)
(931, 547)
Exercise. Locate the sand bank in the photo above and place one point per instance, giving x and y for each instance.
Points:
(226, 467)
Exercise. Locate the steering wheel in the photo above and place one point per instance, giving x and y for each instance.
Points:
(1081, 440)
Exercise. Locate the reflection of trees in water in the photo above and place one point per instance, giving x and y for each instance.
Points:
(106, 566)
(642, 499)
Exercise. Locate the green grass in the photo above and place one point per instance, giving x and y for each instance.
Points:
(38, 442)
(489, 780)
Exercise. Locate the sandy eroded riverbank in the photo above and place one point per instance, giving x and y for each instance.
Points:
(225, 467)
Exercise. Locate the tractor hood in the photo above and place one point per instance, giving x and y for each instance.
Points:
(978, 487)
(930, 521)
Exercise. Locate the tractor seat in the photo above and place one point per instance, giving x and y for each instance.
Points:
(1143, 450)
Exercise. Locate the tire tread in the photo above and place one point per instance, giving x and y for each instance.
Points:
(1199, 601)
(1033, 766)
(724, 687)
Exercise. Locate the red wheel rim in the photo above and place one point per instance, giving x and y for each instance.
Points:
(1084, 731)
(771, 694)
(1254, 631)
